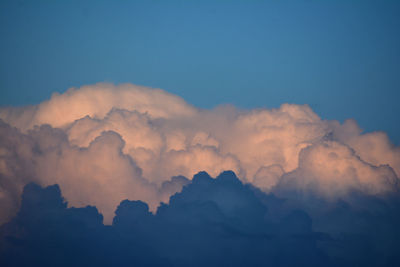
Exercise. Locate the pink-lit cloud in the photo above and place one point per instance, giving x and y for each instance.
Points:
(105, 143)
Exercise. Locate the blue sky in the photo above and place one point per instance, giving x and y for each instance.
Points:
(340, 57)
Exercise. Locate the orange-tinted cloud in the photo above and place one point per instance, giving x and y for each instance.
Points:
(105, 143)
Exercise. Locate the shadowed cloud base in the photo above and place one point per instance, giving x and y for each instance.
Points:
(212, 222)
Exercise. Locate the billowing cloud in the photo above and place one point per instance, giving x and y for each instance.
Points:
(105, 143)
(334, 169)
(96, 101)
(211, 222)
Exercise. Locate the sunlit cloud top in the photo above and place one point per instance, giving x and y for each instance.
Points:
(104, 143)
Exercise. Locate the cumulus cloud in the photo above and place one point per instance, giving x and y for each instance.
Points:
(96, 101)
(333, 169)
(211, 222)
(103, 143)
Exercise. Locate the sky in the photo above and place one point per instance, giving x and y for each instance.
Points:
(199, 133)
(340, 57)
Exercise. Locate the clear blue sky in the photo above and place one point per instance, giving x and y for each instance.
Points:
(340, 57)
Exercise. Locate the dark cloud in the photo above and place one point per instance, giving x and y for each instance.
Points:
(362, 230)
(211, 222)
(47, 233)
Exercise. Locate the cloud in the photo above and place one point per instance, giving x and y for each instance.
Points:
(199, 226)
(99, 174)
(334, 169)
(96, 101)
(104, 143)
(211, 222)
(47, 233)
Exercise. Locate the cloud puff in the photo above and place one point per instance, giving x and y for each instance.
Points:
(334, 169)
(99, 174)
(212, 222)
(104, 143)
(47, 233)
(96, 101)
